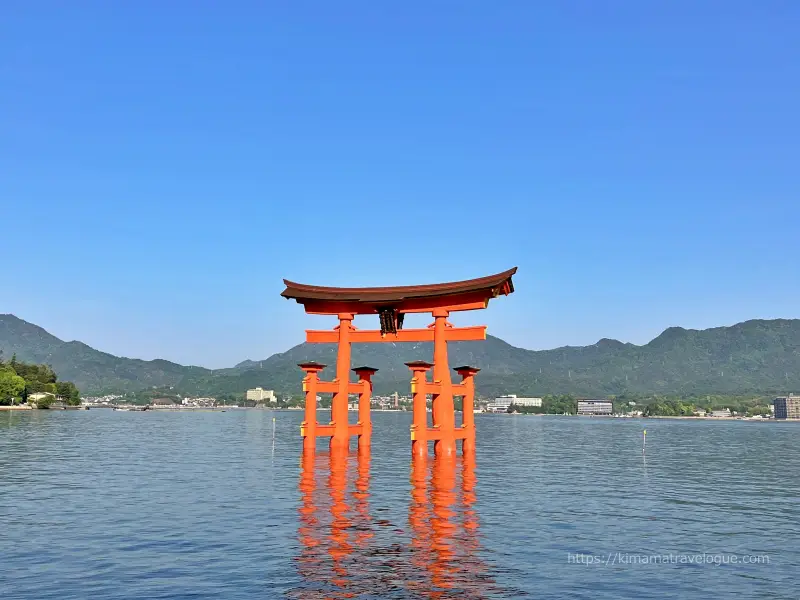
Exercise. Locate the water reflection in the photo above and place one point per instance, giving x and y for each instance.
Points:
(346, 552)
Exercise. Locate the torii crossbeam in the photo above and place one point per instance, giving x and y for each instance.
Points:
(391, 304)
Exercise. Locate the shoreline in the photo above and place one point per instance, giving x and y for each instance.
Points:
(141, 408)
(680, 417)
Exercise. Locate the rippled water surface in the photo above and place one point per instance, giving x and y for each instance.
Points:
(103, 504)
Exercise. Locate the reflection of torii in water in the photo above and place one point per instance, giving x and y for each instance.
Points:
(445, 528)
(345, 552)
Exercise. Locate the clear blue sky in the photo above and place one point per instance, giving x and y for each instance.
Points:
(163, 165)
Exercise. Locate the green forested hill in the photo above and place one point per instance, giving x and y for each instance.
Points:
(755, 356)
(90, 369)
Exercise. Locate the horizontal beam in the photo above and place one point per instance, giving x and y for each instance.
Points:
(323, 430)
(332, 387)
(435, 387)
(456, 302)
(327, 387)
(459, 389)
(429, 387)
(327, 430)
(466, 301)
(434, 434)
(454, 334)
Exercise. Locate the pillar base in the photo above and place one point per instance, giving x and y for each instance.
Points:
(468, 446)
(419, 449)
(338, 444)
(444, 448)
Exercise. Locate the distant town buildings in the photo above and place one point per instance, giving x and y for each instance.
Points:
(787, 407)
(393, 402)
(107, 400)
(498, 405)
(503, 403)
(199, 401)
(162, 402)
(261, 395)
(595, 407)
(725, 412)
(523, 401)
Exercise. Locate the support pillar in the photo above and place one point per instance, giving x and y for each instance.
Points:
(364, 398)
(419, 427)
(467, 408)
(443, 409)
(308, 428)
(340, 440)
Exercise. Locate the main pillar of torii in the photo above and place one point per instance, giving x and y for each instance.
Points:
(391, 304)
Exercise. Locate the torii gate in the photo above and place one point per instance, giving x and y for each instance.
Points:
(391, 304)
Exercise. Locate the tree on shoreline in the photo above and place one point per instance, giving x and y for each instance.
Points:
(19, 380)
(11, 385)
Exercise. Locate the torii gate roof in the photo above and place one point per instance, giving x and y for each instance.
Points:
(456, 295)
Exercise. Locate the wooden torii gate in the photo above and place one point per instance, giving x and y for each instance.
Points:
(391, 304)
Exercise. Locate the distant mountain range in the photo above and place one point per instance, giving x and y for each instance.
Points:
(752, 357)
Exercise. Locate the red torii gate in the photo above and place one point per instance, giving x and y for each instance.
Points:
(391, 304)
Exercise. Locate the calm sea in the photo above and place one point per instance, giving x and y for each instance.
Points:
(141, 505)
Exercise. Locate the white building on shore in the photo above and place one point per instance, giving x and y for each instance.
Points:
(261, 395)
(725, 412)
(503, 403)
(595, 407)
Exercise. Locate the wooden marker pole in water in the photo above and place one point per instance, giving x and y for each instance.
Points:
(644, 440)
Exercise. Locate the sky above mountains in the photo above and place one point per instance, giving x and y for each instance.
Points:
(164, 165)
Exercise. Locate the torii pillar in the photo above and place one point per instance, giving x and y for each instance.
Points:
(468, 408)
(341, 435)
(419, 395)
(443, 407)
(364, 398)
(443, 432)
(310, 429)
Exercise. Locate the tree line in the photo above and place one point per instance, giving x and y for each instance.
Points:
(656, 405)
(20, 382)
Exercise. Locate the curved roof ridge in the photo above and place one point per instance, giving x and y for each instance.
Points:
(302, 292)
